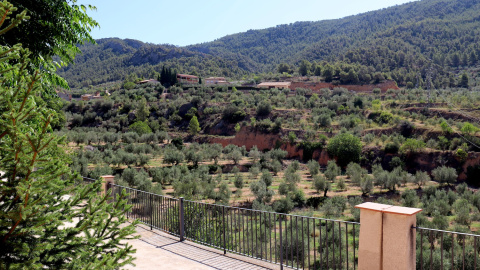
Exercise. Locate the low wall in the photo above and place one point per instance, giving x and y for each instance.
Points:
(316, 86)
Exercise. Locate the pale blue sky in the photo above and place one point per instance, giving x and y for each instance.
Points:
(186, 22)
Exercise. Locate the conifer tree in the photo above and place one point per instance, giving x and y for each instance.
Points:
(143, 110)
(46, 220)
(194, 126)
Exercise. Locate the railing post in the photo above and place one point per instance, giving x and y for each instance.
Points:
(224, 240)
(281, 244)
(387, 240)
(151, 212)
(181, 219)
(106, 181)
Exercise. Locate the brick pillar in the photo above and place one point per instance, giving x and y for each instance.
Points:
(399, 249)
(370, 240)
(387, 240)
(107, 179)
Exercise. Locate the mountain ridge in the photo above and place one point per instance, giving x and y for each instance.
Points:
(400, 42)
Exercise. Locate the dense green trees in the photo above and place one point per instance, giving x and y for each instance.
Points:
(353, 53)
(167, 77)
(39, 193)
(55, 28)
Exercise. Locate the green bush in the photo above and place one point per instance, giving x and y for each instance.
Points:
(445, 175)
(391, 148)
(233, 114)
(140, 127)
(264, 108)
(346, 147)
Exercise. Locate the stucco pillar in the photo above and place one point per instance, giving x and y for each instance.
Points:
(387, 240)
(399, 249)
(107, 179)
(370, 239)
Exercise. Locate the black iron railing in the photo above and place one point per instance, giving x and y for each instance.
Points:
(89, 180)
(287, 240)
(439, 249)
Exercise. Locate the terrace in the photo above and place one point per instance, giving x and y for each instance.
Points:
(386, 237)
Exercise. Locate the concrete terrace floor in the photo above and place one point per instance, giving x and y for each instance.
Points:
(158, 250)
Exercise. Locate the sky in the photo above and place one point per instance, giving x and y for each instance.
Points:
(187, 22)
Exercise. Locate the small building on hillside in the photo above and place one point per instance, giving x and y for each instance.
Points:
(187, 79)
(215, 80)
(65, 96)
(150, 81)
(87, 97)
(279, 85)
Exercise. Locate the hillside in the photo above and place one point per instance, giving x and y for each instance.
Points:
(399, 42)
(113, 59)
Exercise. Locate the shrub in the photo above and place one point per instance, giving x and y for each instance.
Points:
(332, 170)
(173, 156)
(238, 182)
(292, 137)
(445, 175)
(321, 184)
(462, 212)
(284, 205)
(406, 128)
(368, 138)
(366, 185)
(261, 191)
(140, 127)
(384, 118)
(352, 169)
(264, 108)
(421, 178)
(233, 114)
(410, 198)
(341, 184)
(267, 177)
(391, 148)
(254, 171)
(346, 147)
(313, 167)
(324, 120)
(412, 146)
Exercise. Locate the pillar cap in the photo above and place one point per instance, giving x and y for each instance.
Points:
(373, 206)
(399, 210)
(385, 208)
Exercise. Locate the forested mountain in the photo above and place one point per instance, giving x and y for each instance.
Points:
(401, 42)
(113, 59)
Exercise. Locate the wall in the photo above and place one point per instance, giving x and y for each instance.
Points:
(316, 86)
(426, 161)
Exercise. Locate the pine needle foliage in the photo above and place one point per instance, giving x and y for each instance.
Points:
(47, 220)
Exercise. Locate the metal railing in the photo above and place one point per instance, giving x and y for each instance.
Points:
(89, 180)
(439, 249)
(287, 240)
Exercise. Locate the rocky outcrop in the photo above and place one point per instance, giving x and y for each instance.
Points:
(249, 137)
(425, 161)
